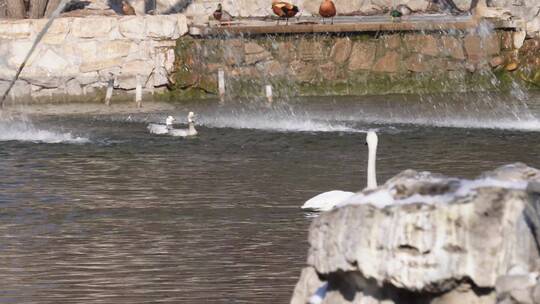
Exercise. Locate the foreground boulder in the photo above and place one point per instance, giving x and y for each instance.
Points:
(432, 239)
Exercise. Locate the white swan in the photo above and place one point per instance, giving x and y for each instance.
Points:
(328, 200)
(155, 128)
(190, 131)
(372, 141)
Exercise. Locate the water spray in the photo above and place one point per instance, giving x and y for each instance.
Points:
(55, 14)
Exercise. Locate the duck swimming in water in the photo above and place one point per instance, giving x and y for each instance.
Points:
(189, 132)
(168, 127)
(156, 128)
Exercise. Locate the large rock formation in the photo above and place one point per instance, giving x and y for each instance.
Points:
(432, 239)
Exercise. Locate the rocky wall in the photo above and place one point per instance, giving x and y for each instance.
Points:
(356, 64)
(78, 56)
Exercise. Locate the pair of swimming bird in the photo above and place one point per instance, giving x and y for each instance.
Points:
(169, 129)
(328, 200)
(284, 10)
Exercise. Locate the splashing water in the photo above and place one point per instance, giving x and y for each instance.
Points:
(517, 91)
(484, 29)
(280, 118)
(288, 123)
(358, 114)
(26, 131)
(522, 124)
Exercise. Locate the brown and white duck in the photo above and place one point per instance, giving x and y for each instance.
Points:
(327, 10)
(222, 15)
(127, 9)
(284, 9)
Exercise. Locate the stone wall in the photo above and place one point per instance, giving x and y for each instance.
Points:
(78, 56)
(356, 64)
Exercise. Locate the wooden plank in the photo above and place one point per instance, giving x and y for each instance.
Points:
(261, 28)
(340, 28)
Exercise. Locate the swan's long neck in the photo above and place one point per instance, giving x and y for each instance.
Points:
(371, 170)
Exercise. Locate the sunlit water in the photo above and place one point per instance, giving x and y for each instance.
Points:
(95, 209)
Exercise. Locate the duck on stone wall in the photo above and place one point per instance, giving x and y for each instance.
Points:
(400, 11)
(327, 10)
(127, 9)
(395, 15)
(284, 9)
(222, 15)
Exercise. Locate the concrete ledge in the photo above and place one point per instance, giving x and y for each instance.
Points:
(354, 24)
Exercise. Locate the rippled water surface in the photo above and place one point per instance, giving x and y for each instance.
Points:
(95, 209)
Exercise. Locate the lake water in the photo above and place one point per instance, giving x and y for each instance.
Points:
(95, 209)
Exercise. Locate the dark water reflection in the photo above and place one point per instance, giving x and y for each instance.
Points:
(132, 217)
